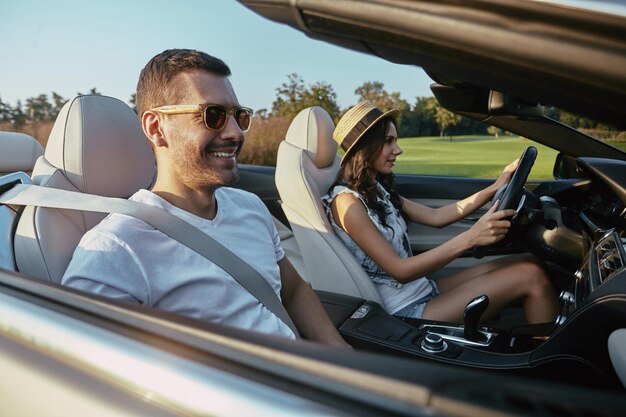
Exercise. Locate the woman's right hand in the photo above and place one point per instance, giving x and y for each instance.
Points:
(490, 228)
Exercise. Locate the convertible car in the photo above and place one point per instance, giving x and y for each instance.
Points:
(64, 352)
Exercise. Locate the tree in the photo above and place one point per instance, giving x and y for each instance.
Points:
(495, 131)
(420, 121)
(288, 96)
(374, 91)
(57, 104)
(93, 91)
(18, 117)
(443, 117)
(261, 113)
(39, 109)
(133, 102)
(293, 96)
(5, 112)
(321, 94)
(576, 121)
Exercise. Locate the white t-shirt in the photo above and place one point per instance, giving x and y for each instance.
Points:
(125, 258)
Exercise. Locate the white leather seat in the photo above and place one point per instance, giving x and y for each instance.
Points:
(18, 152)
(96, 146)
(306, 167)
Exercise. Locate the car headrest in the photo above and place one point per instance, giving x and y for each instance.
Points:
(312, 130)
(18, 152)
(98, 144)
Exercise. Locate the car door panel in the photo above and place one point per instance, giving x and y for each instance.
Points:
(437, 192)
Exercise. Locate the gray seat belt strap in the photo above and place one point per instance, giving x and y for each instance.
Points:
(165, 222)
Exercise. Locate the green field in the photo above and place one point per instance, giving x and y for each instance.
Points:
(471, 156)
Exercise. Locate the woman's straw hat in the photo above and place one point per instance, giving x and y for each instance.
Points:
(358, 120)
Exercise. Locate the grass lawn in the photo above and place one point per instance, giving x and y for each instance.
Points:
(469, 156)
(619, 145)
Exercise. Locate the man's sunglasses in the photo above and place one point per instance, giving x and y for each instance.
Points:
(215, 116)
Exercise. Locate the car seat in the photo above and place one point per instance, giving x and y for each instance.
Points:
(18, 152)
(306, 166)
(96, 146)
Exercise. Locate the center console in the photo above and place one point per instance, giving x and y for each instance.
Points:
(366, 325)
(574, 349)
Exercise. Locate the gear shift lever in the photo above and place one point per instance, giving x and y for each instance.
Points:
(471, 317)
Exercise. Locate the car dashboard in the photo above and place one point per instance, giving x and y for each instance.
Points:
(605, 261)
(597, 212)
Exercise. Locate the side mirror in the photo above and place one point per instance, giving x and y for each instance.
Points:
(565, 167)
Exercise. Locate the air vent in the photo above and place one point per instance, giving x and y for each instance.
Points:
(610, 256)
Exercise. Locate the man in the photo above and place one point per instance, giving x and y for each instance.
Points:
(192, 119)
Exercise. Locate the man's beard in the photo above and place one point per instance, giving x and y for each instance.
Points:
(194, 167)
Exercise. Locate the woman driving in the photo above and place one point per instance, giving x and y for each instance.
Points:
(370, 217)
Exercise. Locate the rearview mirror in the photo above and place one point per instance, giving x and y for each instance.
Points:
(503, 103)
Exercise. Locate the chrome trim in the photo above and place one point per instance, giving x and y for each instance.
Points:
(456, 334)
(560, 320)
(522, 201)
(548, 199)
(566, 297)
(158, 377)
(426, 348)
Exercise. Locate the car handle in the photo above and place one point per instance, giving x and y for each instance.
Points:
(469, 220)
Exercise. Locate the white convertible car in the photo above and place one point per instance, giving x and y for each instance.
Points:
(63, 352)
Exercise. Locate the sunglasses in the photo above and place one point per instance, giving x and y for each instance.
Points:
(215, 116)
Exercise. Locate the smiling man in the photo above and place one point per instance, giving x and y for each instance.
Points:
(195, 125)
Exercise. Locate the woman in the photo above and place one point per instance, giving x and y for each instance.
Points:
(369, 217)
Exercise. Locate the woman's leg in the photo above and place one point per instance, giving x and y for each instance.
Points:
(505, 281)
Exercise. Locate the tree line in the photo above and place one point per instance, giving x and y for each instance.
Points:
(423, 117)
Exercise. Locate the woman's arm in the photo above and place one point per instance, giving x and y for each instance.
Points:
(351, 215)
(443, 216)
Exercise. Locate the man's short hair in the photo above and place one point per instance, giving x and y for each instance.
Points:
(155, 87)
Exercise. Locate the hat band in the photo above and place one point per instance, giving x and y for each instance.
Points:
(362, 125)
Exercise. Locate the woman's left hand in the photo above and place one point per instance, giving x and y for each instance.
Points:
(506, 174)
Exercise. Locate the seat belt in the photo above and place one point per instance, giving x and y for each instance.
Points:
(163, 221)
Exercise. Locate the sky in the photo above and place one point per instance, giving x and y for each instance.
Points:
(72, 46)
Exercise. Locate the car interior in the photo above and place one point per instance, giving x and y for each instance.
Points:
(91, 131)
(89, 134)
(19, 152)
(499, 69)
(306, 167)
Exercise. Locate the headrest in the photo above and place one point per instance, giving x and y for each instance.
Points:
(312, 130)
(98, 144)
(18, 152)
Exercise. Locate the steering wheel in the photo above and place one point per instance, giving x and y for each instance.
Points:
(511, 194)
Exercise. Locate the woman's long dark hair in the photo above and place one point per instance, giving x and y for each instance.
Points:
(355, 172)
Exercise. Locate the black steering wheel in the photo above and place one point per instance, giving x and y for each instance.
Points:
(510, 195)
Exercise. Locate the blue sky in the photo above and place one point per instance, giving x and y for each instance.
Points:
(71, 46)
